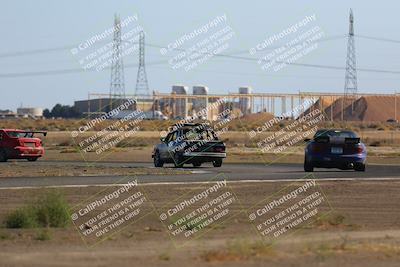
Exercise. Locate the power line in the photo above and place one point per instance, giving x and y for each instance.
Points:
(36, 51)
(69, 47)
(378, 39)
(229, 56)
(67, 71)
(81, 70)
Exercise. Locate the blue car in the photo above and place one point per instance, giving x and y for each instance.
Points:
(340, 149)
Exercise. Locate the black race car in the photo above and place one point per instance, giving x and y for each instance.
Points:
(190, 144)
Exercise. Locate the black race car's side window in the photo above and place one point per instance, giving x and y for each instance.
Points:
(174, 136)
(168, 138)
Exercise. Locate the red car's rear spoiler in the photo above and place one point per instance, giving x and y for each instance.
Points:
(38, 132)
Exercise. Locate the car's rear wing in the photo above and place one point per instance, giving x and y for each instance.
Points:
(322, 139)
(327, 139)
(354, 140)
(36, 132)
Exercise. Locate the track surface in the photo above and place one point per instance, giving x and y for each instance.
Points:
(232, 172)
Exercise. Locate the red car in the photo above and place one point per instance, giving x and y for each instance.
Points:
(19, 144)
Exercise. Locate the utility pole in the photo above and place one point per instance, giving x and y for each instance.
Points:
(350, 84)
(117, 84)
(142, 86)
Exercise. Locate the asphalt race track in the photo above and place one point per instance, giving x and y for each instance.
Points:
(232, 172)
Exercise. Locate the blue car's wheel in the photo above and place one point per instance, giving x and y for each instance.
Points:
(308, 166)
(359, 167)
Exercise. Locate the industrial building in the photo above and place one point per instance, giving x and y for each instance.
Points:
(33, 113)
(105, 104)
(7, 114)
(30, 112)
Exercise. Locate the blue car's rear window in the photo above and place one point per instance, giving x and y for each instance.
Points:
(335, 133)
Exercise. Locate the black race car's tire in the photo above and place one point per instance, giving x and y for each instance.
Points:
(196, 164)
(3, 156)
(308, 167)
(32, 159)
(359, 167)
(158, 162)
(217, 163)
(178, 162)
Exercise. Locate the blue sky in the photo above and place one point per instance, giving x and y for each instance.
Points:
(30, 25)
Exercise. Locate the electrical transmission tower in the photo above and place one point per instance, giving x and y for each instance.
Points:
(142, 86)
(350, 85)
(117, 85)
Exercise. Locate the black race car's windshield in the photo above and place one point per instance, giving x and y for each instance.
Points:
(333, 133)
(19, 134)
(196, 134)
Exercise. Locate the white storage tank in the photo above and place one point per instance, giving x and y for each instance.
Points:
(200, 104)
(180, 104)
(32, 112)
(245, 102)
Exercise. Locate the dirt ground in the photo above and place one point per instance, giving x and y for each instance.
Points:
(17, 168)
(361, 227)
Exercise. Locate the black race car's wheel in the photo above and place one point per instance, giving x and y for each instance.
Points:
(32, 159)
(3, 156)
(178, 162)
(359, 167)
(217, 163)
(158, 162)
(196, 164)
(308, 167)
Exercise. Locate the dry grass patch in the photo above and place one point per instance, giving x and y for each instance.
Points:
(238, 250)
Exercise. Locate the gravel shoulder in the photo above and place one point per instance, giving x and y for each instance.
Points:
(367, 235)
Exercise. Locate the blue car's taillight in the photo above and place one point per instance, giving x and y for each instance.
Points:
(359, 149)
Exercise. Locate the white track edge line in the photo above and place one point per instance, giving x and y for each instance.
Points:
(205, 182)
